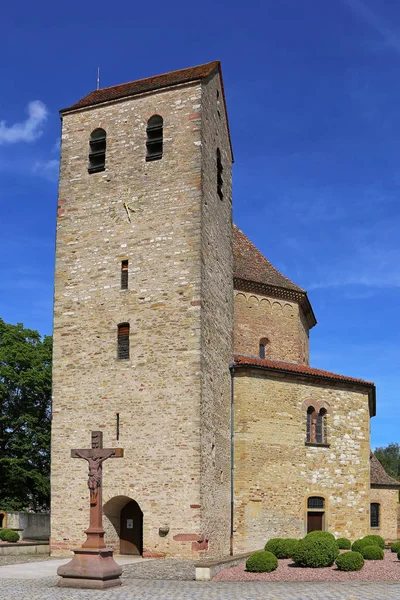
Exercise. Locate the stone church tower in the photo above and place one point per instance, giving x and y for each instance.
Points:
(143, 304)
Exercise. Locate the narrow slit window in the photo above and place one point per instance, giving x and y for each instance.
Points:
(123, 341)
(117, 425)
(97, 151)
(262, 350)
(124, 274)
(220, 181)
(154, 143)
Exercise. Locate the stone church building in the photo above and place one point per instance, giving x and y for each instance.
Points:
(177, 338)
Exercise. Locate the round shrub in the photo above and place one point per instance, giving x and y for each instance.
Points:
(286, 547)
(358, 545)
(10, 536)
(372, 553)
(261, 562)
(272, 545)
(321, 535)
(375, 540)
(350, 561)
(2, 534)
(395, 547)
(316, 552)
(343, 544)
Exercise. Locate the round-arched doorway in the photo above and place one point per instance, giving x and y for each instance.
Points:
(126, 516)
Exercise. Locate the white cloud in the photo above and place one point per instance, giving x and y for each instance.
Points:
(47, 169)
(28, 130)
(363, 11)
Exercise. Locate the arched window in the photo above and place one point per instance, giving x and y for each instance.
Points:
(97, 152)
(220, 181)
(263, 347)
(123, 341)
(310, 423)
(320, 427)
(315, 514)
(154, 143)
(375, 514)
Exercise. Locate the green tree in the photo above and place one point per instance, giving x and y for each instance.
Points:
(25, 414)
(389, 457)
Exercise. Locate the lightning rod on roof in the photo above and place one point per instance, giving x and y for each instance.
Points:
(98, 78)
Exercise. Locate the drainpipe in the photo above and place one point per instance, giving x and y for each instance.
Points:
(232, 369)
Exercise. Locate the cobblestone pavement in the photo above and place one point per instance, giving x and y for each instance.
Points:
(141, 589)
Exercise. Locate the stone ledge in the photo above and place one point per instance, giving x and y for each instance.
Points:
(207, 569)
(24, 548)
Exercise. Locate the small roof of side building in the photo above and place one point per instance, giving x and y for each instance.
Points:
(150, 84)
(295, 370)
(378, 476)
(254, 272)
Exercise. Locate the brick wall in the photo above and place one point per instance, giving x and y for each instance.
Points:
(275, 471)
(160, 392)
(281, 322)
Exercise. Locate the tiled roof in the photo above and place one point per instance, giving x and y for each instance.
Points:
(277, 365)
(145, 85)
(250, 265)
(378, 474)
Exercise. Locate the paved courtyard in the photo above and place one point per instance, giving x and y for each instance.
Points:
(151, 580)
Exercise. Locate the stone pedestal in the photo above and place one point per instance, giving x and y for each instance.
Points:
(90, 568)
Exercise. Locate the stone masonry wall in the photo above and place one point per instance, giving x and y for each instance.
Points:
(275, 471)
(389, 501)
(280, 322)
(158, 391)
(217, 322)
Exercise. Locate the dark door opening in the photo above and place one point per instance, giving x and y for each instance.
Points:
(315, 521)
(131, 529)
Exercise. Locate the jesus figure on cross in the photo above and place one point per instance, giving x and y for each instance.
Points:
(95, 471)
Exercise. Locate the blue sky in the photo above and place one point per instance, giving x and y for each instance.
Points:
(313, 94)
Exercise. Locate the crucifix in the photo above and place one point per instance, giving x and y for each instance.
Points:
(95, 456)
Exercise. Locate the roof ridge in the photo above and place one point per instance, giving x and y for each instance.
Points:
(378, 473)
(109, 87)
(295, 368)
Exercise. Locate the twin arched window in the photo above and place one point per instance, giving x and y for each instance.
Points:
(98, 143)
(316, 425)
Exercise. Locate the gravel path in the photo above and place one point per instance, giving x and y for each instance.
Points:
(23, 558)
(167, 569)
(373, 570)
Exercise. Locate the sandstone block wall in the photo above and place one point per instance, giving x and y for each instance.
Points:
(388, 499)
(280, 322)
(160, 392)
(275, 471)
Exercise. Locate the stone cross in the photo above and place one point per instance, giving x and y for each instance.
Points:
(95, 457)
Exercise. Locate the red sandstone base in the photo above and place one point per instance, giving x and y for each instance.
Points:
(90, 569)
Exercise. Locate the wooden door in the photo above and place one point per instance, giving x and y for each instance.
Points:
(131, 529)
(315, 521)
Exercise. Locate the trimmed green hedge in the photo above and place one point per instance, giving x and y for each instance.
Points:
(372, 553)
(272, 545)
(316, 552)
(350, 561)
(261, 562)
(286, 547)
(358, 545)
(320, 535)
(8, 535)
(375, 540)
(343, 544)
(395, 547)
